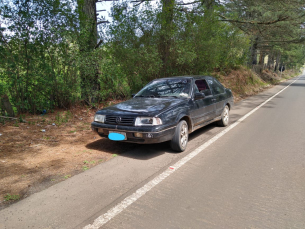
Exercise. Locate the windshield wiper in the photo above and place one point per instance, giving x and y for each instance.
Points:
(148, 96)
(174, 96)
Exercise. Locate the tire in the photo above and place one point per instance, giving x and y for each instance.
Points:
(225, 117)
(180, 139)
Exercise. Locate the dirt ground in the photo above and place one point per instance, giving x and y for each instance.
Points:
(47, 149)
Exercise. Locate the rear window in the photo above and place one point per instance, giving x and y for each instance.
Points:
(216, 87)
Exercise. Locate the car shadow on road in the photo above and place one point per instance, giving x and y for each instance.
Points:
(148, 151)
(203, 130)
(131, 150)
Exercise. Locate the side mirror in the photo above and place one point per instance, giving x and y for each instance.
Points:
(199, 95)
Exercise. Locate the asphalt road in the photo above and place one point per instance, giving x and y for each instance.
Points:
(252, 177)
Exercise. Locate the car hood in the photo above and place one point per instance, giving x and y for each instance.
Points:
(139, 105)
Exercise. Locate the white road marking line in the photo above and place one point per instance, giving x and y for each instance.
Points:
(103, 219)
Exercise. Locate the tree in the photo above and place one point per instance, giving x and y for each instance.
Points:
(270, 23)
(37, 64)
(88, 43)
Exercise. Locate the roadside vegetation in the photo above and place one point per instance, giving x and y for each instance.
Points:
(56, 54)
(60, 61)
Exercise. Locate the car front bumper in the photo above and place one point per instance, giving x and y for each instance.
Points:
(149, 134)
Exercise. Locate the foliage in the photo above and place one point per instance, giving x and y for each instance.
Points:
(196, 47)
(294, 56)
(38, 59)
(275, 26)
(9, 197)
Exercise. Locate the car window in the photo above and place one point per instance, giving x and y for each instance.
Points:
(196, 89)
(166, 88)
(216, 86)
(202, 86)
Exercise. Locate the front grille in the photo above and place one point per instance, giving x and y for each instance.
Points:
(124, 121)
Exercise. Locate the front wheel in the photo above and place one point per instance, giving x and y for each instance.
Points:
(225, 117)
(180, 139)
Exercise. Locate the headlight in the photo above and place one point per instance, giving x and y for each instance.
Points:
(99, 118)
(148, 121)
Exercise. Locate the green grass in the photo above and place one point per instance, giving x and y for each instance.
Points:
(9, 197)
(63, 117)
(85, 168)
(67, 176)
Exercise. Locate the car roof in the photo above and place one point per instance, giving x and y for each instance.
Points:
(187, 77)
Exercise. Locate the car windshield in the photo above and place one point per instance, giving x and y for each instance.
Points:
(166, 88)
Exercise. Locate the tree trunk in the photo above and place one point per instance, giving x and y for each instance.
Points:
(88, 41)
(278, 59)
(7, 106)
(88, 24)
(261, 58)
(166, 34)
(253, 58)
(270, 60)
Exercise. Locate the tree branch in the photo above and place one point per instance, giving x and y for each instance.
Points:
(295, 41)
(190, 3)
(7, 117)
(105, 1)
(254, 22)
(140, 2)
(98, 44)
(101, 22)
(191, 11)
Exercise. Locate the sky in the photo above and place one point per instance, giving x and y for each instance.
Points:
(103, 6)
(107, 6)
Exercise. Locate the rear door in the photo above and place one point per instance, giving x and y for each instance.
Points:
(219, 95)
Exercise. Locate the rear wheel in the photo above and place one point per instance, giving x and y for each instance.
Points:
(180, 139)
(225, 117)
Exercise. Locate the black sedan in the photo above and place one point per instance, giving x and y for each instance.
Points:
(166, 109)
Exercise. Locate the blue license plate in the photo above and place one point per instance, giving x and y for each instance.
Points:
(117, 136)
